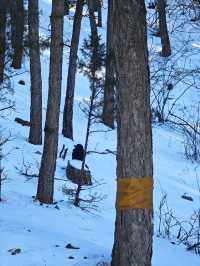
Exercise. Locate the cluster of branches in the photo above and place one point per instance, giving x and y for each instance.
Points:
(3, 141)
(172, 77)
(185, 232)
(188, 121)
(90, 201)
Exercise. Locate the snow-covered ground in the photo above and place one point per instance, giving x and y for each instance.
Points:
(43, 231)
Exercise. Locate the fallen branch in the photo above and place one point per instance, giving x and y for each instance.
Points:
(184, 123)
(6, 108)
(107, 151)
(22, 122)
(31, 176)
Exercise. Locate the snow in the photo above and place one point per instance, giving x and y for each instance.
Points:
(43, 231)
(76, 164)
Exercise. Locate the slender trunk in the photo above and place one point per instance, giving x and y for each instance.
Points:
(109, 100)
(2, 40)
(35, 134)
(99, 14)
(133, 227)
(166, 48)
(48, 163)
(92, 98)
(93, 25)
(17, 24)
(94, 44)
(69, 100)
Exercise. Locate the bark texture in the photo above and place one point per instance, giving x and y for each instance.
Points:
(35, 133)
(133, 228)
(166, 48)
(2, 40)
(69, 100)
(108, 104)
(17, 28)
(48, 163)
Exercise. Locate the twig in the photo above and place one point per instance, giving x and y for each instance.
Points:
(185, 123)
(107, 151)
(6, 108)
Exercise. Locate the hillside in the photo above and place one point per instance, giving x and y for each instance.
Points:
(43, 231)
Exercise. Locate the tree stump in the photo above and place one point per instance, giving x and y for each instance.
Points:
(74, 174)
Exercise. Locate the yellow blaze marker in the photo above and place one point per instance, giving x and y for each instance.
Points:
(135, 193)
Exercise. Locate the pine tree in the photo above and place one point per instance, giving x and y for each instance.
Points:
(2, 40)
(48, 163)
(166, 48)
(92, 5)
(93, 59)
(109, 91)
(35, 134)
(69, 99)
(17, 28)
(133, 227)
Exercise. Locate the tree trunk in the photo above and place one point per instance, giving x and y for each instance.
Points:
(133, 227)
(17, 25)
(99, 14)
(2, 40)
(35, 134)
(69, 100)
(108, 104)
(166, 49)
(93, 25)
(48, 163)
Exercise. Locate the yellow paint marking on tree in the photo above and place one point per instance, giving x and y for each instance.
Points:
(135, 193)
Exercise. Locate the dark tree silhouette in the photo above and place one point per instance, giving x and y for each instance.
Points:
(69, 99)
(48, 163)
(35, 134)
(2, 40)
(166, 48)
(109, 100)
(17, 29)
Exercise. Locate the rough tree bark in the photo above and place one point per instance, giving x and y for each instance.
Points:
(48, 163)
(108, 103)
(166, 48)
(133, 228)
(17, 29)
(35, 133)
(69, 99)
(2, 40)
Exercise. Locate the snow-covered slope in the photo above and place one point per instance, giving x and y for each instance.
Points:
(41, 231)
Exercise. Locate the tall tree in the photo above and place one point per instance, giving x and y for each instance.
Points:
(35, 134)
(133, 227)
(48, 163)
(69, 99)
(108, 104)
(17, 25)
(2, 39)
(166, 48)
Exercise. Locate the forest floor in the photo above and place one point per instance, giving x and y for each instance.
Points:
(42, 232)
